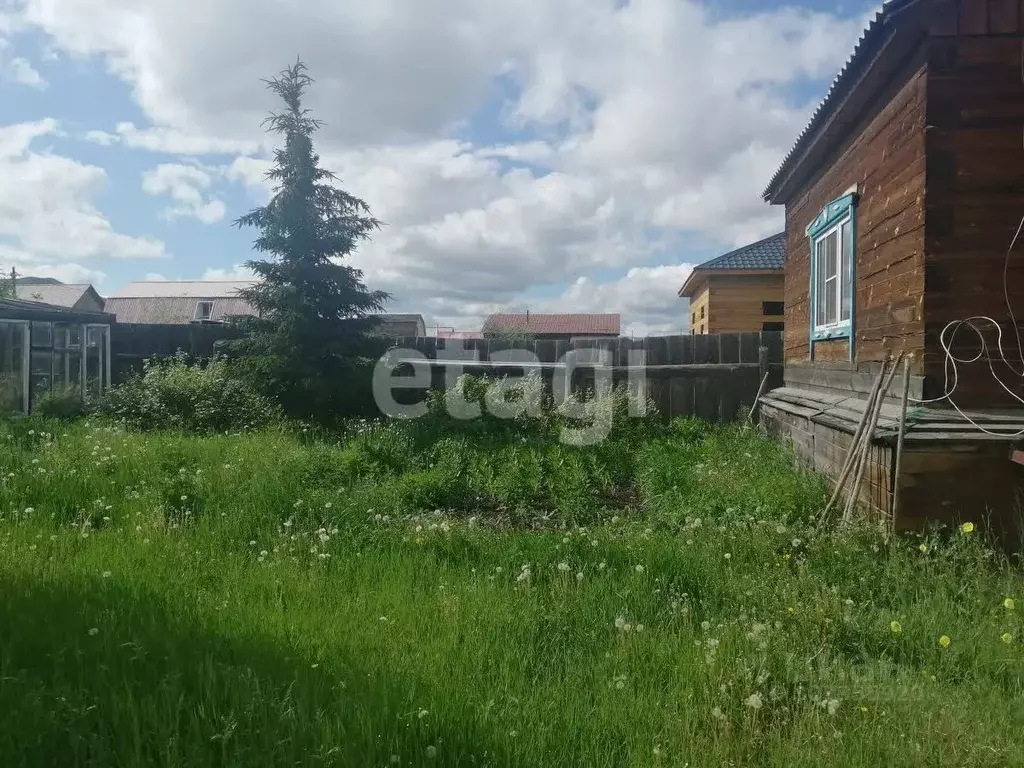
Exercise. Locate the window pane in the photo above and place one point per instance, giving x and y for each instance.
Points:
(846, 263)
(831, 255)
(12, 367)
(819, 282)
(831, 305)
(42, 334)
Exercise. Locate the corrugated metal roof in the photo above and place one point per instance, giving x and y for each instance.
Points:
(199, 289)
(567, 324)
(870, 41)
(48, 293)
(175, 310)
(32, 310)
(769, 253)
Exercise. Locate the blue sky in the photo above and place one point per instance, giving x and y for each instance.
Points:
(561, 155)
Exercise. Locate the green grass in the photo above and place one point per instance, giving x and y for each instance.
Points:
(273, 599)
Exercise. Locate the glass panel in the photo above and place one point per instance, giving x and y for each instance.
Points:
(846, 263)
(40, 373)
(12, 367)
(830, 300)
(42, 334)
(819, 273)
(831, 256)
(93, 362)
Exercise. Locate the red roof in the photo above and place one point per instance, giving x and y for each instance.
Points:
(565, 325)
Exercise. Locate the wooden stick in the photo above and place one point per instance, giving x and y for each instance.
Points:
(760, 391)
(848, 464)
(868, 437)
(899, 443)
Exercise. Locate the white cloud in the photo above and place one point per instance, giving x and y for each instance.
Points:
(237, 272)
(185, 184)
(645, 127)
(27, 265)
(169, 141)
(154, 277)
(21, 71)
(47, 212)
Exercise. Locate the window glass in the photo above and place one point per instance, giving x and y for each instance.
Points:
(12, 367)
(819, 271)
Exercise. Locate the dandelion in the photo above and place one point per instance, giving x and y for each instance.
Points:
(717, 713)
(754, 701)
(639, 627)
(620, 622)
(796, 543)
(422, 713)
(579, 577)
(383, 619)
(967, 528)
(944, 641)
(1006, 637)
(895, 627)
(638, 568)
(107, 574)
(1008, 604)
(184, 497)
(705, 625)
(29, 510)
(602, 565)
(832, 706)
(563, 567)
(431, 751)
(328, 505)
(94, 631)
(728, 556)
(923, 547)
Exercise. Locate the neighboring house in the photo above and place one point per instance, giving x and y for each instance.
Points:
(739, 291)
(451, 333)
(179, 302)
(537, 326)
(78, 296)
(400, 326)
(903, 196)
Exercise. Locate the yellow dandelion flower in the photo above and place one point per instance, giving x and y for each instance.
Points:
(967, 528)
(923, 547)
(790, 609)
(944, 641)
(1008, 604)
(1006, 637)
(895, 627)
(863, 709)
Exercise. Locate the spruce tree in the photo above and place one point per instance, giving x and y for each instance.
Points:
(311, 334)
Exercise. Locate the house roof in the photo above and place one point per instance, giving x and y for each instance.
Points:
(870, 43)
(567, 324)
(174, 310)
(20, 309)
(398, 318)
(58, 294)
(197, 289)
(765, 255)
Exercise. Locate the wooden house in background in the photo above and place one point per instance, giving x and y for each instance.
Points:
(903, 196)
(739, 291)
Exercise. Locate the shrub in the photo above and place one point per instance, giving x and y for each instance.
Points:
(175, 393)
(64, 403)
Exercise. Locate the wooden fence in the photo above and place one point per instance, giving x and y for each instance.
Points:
(132, 343)
(711, 376)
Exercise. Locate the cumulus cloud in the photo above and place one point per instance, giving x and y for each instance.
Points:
(638, 129)
(47, 213)
(237, 272)
(185, 184)
(20, 70)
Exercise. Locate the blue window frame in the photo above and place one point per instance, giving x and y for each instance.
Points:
(833, 250)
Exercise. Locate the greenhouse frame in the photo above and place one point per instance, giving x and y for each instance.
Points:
(50, 349)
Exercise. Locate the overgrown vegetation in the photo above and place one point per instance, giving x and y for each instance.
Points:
(177, 393)
(310, 342)
(445, 592)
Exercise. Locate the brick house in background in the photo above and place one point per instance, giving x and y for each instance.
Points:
(739, 291)
(902, 198)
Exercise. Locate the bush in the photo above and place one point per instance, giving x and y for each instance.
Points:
(64, 403)
(175, 393)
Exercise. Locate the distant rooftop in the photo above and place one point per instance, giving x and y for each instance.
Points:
(181, 289)
(52, 293)
(769, 253)
(551, 324)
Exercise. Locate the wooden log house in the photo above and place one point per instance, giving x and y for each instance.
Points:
(740, 291)
(903, 196)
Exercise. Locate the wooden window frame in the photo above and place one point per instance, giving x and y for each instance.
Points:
(831, 221)
(200, 303)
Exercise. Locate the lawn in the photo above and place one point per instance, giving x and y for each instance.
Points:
(477, 593)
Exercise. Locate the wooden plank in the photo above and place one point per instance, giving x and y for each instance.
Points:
(973, 17)
(729, 348)
(1002, 16)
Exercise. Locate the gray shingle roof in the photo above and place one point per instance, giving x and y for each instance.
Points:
(769, 253)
